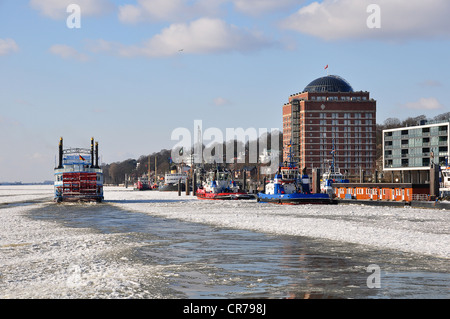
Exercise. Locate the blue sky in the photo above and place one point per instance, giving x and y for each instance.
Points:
(138, 69)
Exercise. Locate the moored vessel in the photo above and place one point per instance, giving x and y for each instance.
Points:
(289, 187)
(333, 175)
(220, 186)
(172, 179)
(142, 184)
(444, 185)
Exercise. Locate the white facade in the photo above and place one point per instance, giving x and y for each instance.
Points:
(416, 147)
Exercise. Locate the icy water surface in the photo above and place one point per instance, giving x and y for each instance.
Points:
(211, 262)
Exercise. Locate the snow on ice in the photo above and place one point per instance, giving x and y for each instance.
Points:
(44, 259)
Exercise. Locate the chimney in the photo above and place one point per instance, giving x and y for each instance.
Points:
(92, 152)
(60, 162)
(96, 155)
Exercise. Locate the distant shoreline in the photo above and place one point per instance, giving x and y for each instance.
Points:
(21, 183)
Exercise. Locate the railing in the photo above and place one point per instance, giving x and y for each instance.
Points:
(423, 197)
(78, 169)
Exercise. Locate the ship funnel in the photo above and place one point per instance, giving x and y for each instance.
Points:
(96, 155)
(92, 152)
(60, 161)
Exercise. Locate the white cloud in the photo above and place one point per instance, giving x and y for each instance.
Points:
(201, 36)
(430, 83)
(253, 7)
(424, 104)
(347, 19)
(164, 10)
(8, 46)
(67, 52)
(220, 101)
(184, 10)
(57, 9)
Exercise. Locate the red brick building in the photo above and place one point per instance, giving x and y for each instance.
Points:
(328, 112)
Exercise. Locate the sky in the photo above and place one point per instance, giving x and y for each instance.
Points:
(130, 72)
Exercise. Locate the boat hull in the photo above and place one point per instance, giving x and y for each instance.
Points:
(79, 198)
(224, 196)
(172, 188)
(296, 199)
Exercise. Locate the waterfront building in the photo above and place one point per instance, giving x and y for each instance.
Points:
(416, 148)
(329, 118)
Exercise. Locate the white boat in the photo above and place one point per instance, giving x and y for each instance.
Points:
(329, 178)
(333, 175)
(172, 179)
(444, 185)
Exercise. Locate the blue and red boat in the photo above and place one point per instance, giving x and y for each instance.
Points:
(289, 187)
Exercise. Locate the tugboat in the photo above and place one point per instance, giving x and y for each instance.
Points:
(141, 184)
(289, 187)
(77, 176)
(220, 186)
(331, 176)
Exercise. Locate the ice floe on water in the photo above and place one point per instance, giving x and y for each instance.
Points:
(45, 259)
(421, 231)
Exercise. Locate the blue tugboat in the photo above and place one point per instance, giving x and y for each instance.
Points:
(289, 187)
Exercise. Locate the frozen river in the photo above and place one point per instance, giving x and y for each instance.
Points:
(160, 245)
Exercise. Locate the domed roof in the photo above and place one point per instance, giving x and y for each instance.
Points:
(329, 83)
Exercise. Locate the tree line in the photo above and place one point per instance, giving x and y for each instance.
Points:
(114, 173)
